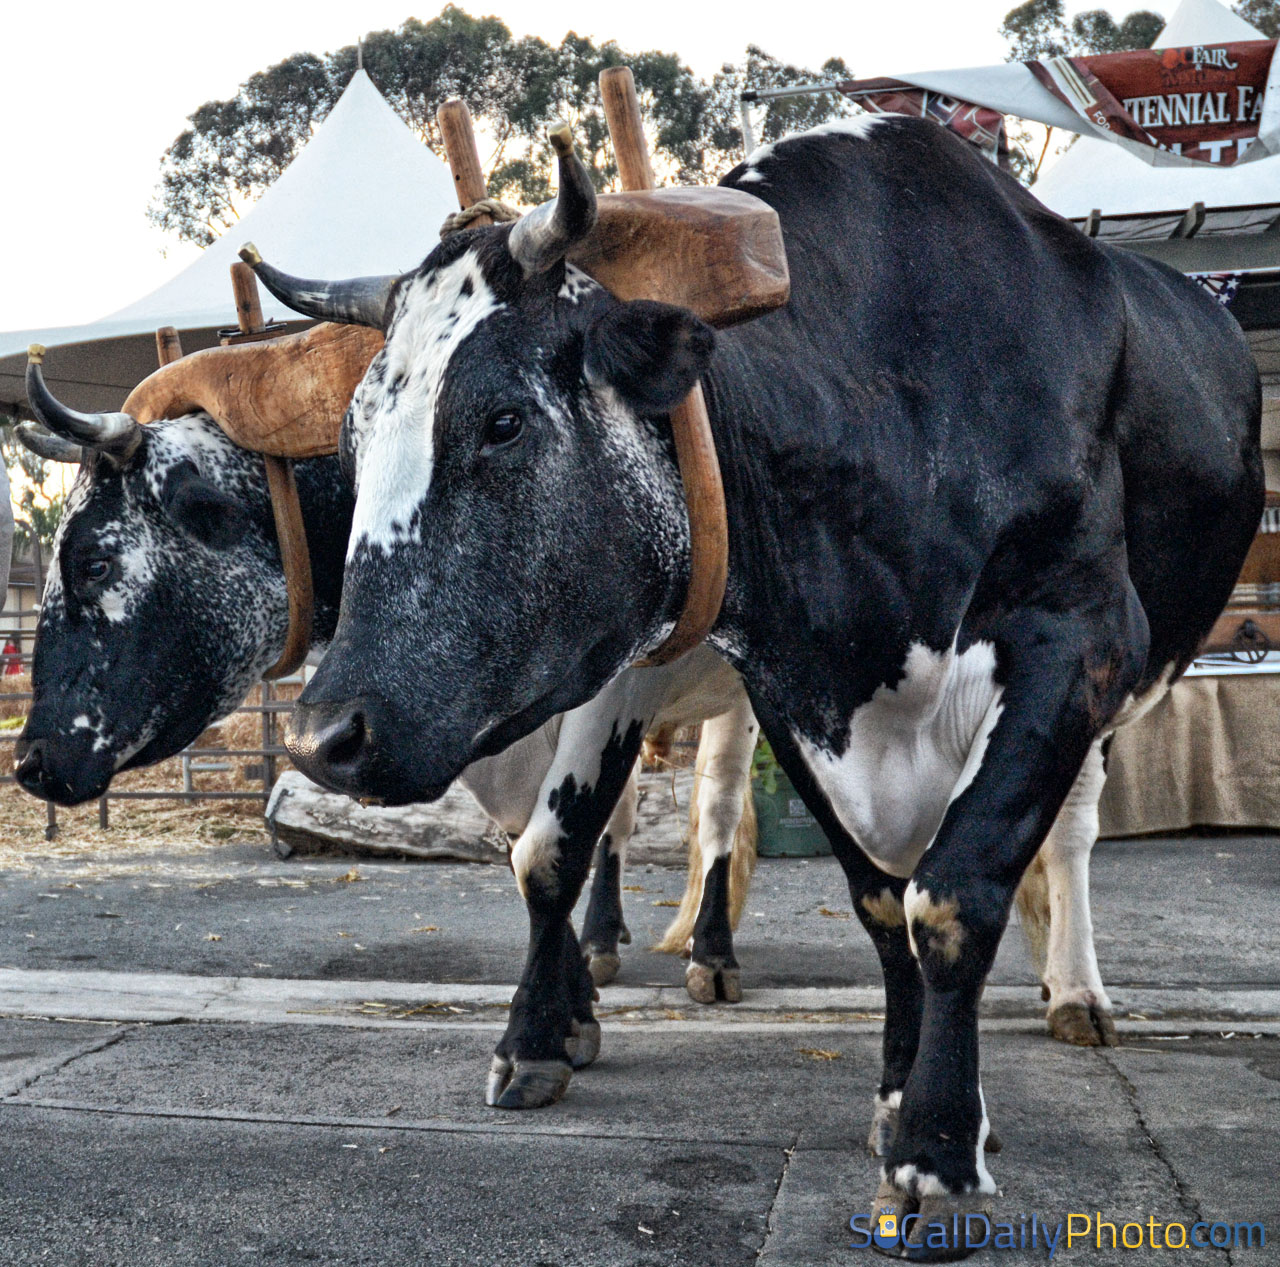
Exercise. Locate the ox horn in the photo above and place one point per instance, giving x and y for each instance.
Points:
(44, 444)
(544, 236)
(116, 434)
(359, 301)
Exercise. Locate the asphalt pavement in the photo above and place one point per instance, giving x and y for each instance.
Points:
(222, 1057)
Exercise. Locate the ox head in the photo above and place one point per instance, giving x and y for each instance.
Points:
(520, 533)
(165, 598)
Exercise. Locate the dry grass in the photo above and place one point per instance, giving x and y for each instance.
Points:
(12, 684)
(141, 827)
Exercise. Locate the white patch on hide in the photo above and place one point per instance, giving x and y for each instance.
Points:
(394, 449)
(907, 751)
(576, 285)
(858, 125)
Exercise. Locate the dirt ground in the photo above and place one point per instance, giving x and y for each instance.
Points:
(161, 826)
(137, 826)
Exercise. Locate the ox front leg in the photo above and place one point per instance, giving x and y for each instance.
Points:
(603, 926)
(1037, 738)
(551, 1028)
(877, 898)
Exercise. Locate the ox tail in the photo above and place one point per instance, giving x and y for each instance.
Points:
(1033, 911)
(742, 864)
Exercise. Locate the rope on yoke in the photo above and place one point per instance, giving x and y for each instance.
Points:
(500, 213)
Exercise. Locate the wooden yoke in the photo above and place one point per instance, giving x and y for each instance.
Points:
(717, 252)
(277, 397)
(690, 425)
(284, 396)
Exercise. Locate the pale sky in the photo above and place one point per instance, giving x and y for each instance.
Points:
(93, 93)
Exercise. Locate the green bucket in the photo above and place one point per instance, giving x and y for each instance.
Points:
(786, 828)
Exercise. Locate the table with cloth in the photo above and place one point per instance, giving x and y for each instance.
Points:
(1208, 755)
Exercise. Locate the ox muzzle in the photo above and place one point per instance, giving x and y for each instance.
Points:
(360, 745)
(64, 769)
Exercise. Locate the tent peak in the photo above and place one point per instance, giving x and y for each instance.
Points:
(1205, 22)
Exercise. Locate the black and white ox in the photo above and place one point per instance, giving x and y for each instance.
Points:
(166, 602)
(989, 483)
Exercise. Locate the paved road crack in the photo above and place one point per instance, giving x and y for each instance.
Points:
(769, 1224)
(1183, 1193)
(19, 1085)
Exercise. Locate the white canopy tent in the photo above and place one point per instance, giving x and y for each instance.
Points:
(364, 196)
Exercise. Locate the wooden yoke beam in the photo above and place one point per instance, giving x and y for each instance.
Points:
(463, 155)
(690, 425)
(168, 345)
(291, 532)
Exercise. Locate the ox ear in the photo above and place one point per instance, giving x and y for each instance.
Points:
(651, 354)
(203, 510)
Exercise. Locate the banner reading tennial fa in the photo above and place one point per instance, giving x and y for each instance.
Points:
(1194, 104)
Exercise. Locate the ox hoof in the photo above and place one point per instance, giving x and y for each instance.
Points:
(584, 1047)
(1083, 1025)
(931, 1238)
(526, 1084)
(707, 984)
(603, 966)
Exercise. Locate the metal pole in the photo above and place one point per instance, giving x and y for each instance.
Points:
(37, 559)
(800, 90)
(268, 741)
(748, 135)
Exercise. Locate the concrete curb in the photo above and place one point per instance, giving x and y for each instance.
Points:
(169, 998)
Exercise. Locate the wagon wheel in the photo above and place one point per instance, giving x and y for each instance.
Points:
(1250, 643)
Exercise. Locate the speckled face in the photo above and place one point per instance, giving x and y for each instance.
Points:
(519, 523)
(164, 603)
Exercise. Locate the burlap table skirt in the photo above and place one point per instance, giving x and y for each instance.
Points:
(1208, 755)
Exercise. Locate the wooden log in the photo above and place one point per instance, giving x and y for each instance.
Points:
(285, 397)
(307, 819)
(464, 158)
(626, 127)
(244, 286)
(168, 345)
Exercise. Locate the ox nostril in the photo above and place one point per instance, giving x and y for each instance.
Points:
(28, 760)
(341, 744)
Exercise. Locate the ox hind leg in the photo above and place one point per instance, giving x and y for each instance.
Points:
(603, 926)
(1053, 902)
(722, 856)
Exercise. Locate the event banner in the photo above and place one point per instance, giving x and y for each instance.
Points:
(1203, 102)
(979, 125)
(1187, 105)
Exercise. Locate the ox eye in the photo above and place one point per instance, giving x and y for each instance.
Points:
(96, 571)
(502, 429)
